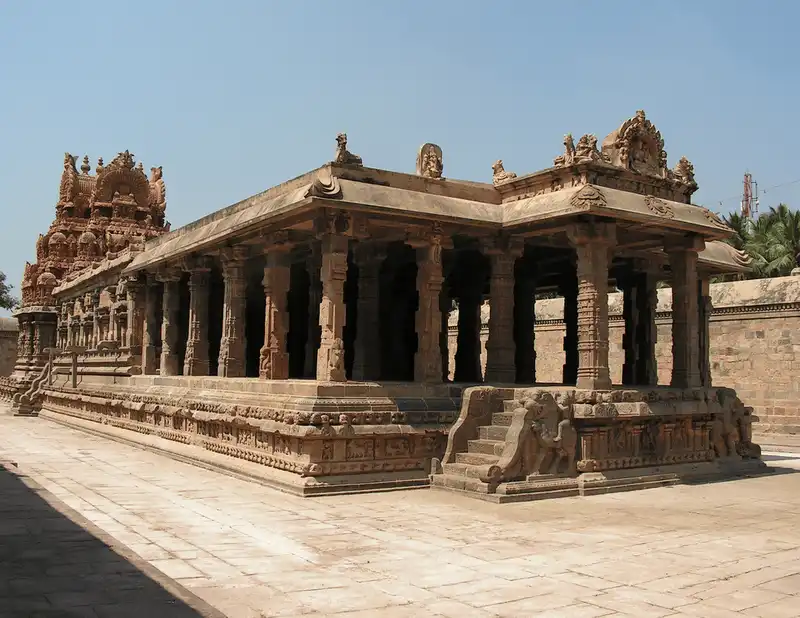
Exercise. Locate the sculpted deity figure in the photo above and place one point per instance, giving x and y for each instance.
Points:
(429, 161)
(499, 174)
(586, 150)
(344, 156)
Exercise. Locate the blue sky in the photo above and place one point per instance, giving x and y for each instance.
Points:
(231, 98)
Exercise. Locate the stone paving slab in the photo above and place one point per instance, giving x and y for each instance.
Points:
(722, 549)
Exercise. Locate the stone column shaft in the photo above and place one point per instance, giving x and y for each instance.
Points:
(500, 347)
(428, 318)
(274, 359)
(593, 242)
(332, 310)
(630, 315)
(647, 334)
(367, 359)
(685, 312)
(705, 336)
(233, 344)
(135, 318)
(150, 329)
(313, 265)
(169, 324)
(196, 359)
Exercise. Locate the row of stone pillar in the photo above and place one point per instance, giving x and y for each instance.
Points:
(586, 341)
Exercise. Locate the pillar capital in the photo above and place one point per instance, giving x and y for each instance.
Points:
(234, 256)
(169, 274)
(197, 264)
(592, 232)
(503, 244)
(690, 244)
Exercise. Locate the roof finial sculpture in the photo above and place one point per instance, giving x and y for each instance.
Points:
(344, 156)
(568, 158)
(99, 167)
(499, 174)
(429, 161)
(85, 168)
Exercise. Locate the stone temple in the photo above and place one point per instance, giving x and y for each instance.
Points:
(300, 336)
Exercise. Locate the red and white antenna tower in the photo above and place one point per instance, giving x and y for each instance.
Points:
(749, 197)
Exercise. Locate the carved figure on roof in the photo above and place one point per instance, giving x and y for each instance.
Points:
(68, 177)
(499, 173)
(568, 158)
(586, 150)
(429, 161)
(344, 156)
(120, 176)
(637, 145)
(41, 251)
(684, 172)
(158, 190)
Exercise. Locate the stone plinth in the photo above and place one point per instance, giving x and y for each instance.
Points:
(307, 436)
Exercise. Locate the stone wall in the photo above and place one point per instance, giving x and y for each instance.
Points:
(755, 344)
(8, 345)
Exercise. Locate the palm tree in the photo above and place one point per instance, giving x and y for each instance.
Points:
(772, 240)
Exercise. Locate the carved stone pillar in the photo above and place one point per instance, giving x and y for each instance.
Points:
(593, 243)
(169, 322)
(685, 312)
(630, 315)
(367, 361)
(524, 324)
(95, 336)
(313, 266)
(274, 359)
(135, 319)
(647, 333)
(705, 337)
(196, 359)
(232, 344)
(428, 319)
(330, 357)
(150, 331)
(569, 290)
(500, 347)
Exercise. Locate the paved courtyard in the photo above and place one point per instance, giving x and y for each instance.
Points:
(91, 527)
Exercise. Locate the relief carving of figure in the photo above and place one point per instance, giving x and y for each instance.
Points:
(336, 361)
(568, 158)
(429, 161)
(554, 440)
(499, 173)
(344, 156)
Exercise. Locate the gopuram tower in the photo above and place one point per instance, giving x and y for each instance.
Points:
(99, 216)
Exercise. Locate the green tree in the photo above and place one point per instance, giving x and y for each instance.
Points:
(7, 301)
(772, 241)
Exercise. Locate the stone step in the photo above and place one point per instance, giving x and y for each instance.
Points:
(502, 419)
(460, 483)
(487, 447)
(462, 470)
(508, 406)
(476, 459)
(492, 432)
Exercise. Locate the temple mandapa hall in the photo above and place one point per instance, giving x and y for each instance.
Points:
(300, 336)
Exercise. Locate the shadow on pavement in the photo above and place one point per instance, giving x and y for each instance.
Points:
(54, 562)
